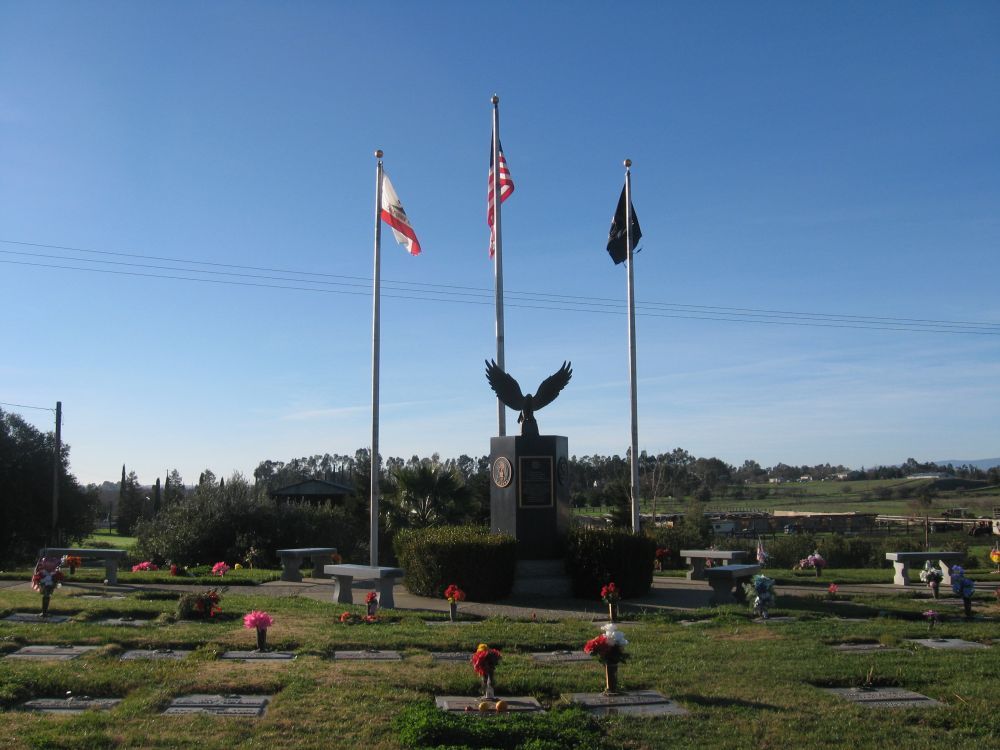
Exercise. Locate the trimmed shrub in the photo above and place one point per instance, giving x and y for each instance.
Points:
(479, 562)
(596, 556)
(675, 539)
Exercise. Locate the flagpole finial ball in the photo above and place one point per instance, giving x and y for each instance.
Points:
(628, 163)
(378, 153)
(495, 99)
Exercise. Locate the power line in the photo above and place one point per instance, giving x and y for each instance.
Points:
(23, 406)
(474, 295)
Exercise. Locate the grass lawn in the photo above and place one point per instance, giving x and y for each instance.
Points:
(110, 538)
(746, 685)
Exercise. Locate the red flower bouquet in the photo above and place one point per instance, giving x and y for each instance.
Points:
(610, 594)
(485, 660)
(454, 594)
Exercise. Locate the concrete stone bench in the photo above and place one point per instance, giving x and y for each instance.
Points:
(111, 557)
(291, 559)
(727, 582)
(344, 576)
(901, 562)
(697, 558)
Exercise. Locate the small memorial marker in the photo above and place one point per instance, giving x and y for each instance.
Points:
(449, 622)
(645, 702)
(102, 596)
(560, 657)
(863, 648)
(154, 654)
(459, 656)
(35, 617)
(250, 706)
(774, 620)
(72, 705)
(689, 623)
(57, 653)
(369, 655)
(950, 644)
(884, 697)
(124, 622)
(465, 704)
(259, 655)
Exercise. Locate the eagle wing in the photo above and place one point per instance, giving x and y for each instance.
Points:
(551, 386)
(505, 386)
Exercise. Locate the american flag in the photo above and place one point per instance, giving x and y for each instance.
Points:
(506, 188)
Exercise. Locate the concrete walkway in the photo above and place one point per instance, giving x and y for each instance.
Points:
(666, 594)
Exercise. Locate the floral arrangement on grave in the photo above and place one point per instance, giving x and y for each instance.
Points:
(609, 649)
(454, 595)
(46, 578)
(932, 618)
(251, 557)
(199, 606)
(931, 575)
(72, 562)
(963, 587)
(995, 559)
(485, 662)
(337, 558)
(220, 569)
(371, 601)
(349, 618)
(260, 621)
(611, 595)
(662, 556)
(815, 561)
(144, 566)
(831, 591)
(760, 592)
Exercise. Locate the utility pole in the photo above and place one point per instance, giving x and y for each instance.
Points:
(56, 462)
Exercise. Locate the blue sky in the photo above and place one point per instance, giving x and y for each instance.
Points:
(826, 159)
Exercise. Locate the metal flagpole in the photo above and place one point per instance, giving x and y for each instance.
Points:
(373, 540)
(497, 258)
(631, 349)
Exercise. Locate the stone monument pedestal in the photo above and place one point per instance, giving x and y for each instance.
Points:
(529, 493)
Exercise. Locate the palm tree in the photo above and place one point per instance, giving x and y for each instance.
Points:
(426, 494)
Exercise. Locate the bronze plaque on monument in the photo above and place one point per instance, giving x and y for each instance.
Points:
(536, 482)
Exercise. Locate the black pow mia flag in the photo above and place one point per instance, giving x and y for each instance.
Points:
(617, 239)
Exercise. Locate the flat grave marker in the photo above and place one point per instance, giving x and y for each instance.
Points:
(268, 656)
(35, 617)
(124, 622)
(367, 655)
(248, 706)
(864, 648)
(775, 620)
(884, 697)
(72, 705)
(433, 623)
(464, 704)
(457, 656)
(560, 657)
(640, 702)
(56, 653)
(158, 654)
(950, 644)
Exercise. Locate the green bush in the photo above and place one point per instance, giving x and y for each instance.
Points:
(595, 557)
(223, 523)
(480, 563)
(675, 539)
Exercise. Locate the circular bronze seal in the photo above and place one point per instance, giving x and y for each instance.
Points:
(502, 472)
(562, 470)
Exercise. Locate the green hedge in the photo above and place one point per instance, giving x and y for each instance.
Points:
(478, 562)
(596, 556)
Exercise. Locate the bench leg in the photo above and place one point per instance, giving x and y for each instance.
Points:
(945, 572)
(111, 571)
(902, 577)
(290, 569)
(318, 569)
(722, 592)
(697, 570)
(385, 598)
(342, 593)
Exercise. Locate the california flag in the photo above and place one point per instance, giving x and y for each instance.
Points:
(394, 215)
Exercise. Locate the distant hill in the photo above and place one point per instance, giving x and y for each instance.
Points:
(982, 463)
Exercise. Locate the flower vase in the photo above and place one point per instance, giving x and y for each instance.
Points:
(819, 571)
(612, 612)
(610, 679)
(488, 693)
(453, 611)
(262, 639)
(373, 608)
(72, 569)
(935, 586)
(46, 597)
(967, 603)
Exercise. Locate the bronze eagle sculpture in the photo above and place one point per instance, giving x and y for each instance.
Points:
(509, 392)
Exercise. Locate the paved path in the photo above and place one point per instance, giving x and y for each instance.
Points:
(666, 594)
